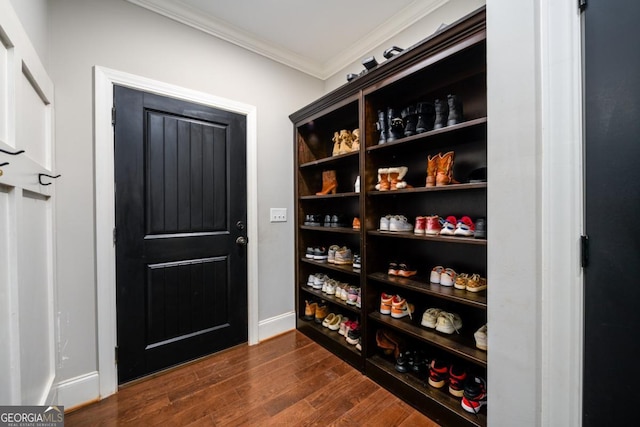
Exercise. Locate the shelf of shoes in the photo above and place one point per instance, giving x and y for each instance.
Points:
(475, 125)
(457, 344)
(422, 285)
(344, 230)
(331, 340)
(330, 196)
(441, 401)
(413, 190)
(329, 298)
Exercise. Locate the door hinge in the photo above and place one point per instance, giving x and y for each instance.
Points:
(113, 116)
(115, 235)
(116, 354)
(584, 251)
(582, 5)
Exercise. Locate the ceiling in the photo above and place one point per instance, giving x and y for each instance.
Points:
(319, 38)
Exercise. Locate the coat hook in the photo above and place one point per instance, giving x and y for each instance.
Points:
(40, 175)
(10, 153)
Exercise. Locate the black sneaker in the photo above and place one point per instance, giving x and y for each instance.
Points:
(474, 395)
(309, 254)
(357, 262)
(320, 254)
(404, 362)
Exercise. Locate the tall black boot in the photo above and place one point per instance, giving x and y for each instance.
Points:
(381, 126)
(426, 116)
(441, 114)
(455, 110)
(394, 124)
(410, 118)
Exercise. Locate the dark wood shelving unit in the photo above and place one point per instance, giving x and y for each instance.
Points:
(451, 61)
(473, 299)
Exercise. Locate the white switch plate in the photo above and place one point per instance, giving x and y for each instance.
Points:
(278, 215)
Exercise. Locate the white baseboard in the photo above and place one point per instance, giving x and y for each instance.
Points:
(79, 390)
(273, 326)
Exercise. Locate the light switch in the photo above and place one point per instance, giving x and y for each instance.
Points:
(278, 215)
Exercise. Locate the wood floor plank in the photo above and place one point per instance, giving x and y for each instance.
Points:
(288, 380)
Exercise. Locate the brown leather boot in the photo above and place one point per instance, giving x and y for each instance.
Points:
(383, 179)
(336, 144)
(321, 312)
(329, 183)
(444, 174)
(432, 166)
(310, 310)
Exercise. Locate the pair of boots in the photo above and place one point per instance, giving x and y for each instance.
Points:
(440, 170)
(345, 141)
(329, 183)
(391, 178)
(449, 113)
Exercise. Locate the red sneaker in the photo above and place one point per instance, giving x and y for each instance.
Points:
(438, 373)
(421, 225)
(457, 377)
(433, 226)
(465, 227)
(474, 395)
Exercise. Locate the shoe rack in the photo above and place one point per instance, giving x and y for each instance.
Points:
(451, 61)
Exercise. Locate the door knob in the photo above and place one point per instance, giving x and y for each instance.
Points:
(242, 241)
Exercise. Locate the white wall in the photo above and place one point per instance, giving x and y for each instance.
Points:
(34, 17)
(448, 13)
(124, 37)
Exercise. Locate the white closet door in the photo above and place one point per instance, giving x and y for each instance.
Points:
(27, 276)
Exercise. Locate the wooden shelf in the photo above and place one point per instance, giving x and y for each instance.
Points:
(421, 137)
(459, 345)
(330, 196)
(473, 299)
(330, 298)
(442, 406)
(344, 230)
(452, 187)
(348, 269)
(333, 159)
(436, 238)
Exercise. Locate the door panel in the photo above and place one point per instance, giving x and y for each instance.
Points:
(612, 132)
(180, 189)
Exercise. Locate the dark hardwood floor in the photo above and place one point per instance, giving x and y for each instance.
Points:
(285, 381)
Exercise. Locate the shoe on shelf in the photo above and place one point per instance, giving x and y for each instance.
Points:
(476, 283)
(344, 256)
(359, 299)
(474, 395)
(330, 318)
(396, 178)
(353, 336)
(309, 253)
(436, 274)
(338, 221)
(318, 281)
(393, 269)
(433, 226)
(448, 277)
(321, 312)
(438, 373)
(356, 223)
(383, 180)
(432, 166)
(342, 328)
(400, 307)
(330, 286)
(430, 317)
(404, 270)
(311, 279)
(404, 363)
(457, 378)
(344, 292)
(465, 227)
(359, 344)
(420, 363)
(384, 223)
(448, 226)
(399, 223)
(481, 229)
(327, 221)
(357, 262)
(334, 325)
(385, 303)
(461, 281)
(320, 254)
(310, 310)
(448, 323)
(481, 337)
(331, 254)
(352, 295)
(421, 225)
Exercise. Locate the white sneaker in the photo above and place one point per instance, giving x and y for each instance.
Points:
(384, 223)
(318, 280)
(330, 287)
(430, 317)
(481, 337)
(448, 277)
(436, 274)
(448, 323)
(311, 279)
(399, 223)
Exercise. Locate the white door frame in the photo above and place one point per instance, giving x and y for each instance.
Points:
(104, 80)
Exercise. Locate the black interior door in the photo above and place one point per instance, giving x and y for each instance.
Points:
(181, 266)
(612, 293)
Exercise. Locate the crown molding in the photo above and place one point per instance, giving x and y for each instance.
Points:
(181, 12)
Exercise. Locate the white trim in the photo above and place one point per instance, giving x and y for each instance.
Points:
(277, 325)
(404, 18)
(562, 213)
(104, 80)
(79, 390)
